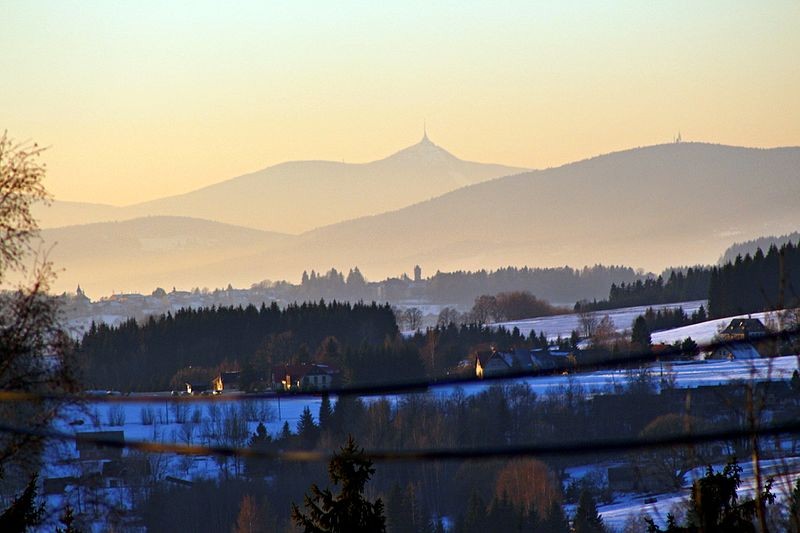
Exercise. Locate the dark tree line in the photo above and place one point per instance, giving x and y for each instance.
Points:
(756, 283)
(145, 356)
(750, 247)
(679, 287)
(748, 284)
(362, 340)
(560, 284)
(661, 319)
(563, 284)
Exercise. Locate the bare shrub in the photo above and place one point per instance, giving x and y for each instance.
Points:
(116, 415)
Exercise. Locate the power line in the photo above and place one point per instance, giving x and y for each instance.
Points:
(576, 447)
(409, 386)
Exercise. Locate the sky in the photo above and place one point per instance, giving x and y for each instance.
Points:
(139, 100)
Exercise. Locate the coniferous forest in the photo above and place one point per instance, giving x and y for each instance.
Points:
(680, 287)
(748, 284)
(756, 283)
(146, 356)
(362, 340)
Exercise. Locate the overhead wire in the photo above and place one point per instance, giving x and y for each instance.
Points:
(568, 448)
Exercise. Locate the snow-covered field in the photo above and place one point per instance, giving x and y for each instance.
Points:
(275, 412)
(783, 471)
(563, 325)
(704, 332)
(687, 374)
(156, 419)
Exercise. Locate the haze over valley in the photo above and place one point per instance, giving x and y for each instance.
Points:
(298, 196)
(652, 207)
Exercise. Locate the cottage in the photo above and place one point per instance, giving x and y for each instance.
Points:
(226, 381)
(304, 376)
(496, 362)
(481, 359)
(737, 351)
(743, 329)
(197, 387)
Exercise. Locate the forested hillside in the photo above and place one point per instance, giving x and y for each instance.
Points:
(756, 283)
(362, 340)
(750, 247)
(145, 357)
(679, 287)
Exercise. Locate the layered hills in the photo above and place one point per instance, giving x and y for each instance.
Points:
(298, 196)
(655, 206)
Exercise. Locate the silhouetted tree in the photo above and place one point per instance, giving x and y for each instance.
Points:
(715, 506)
(286, 432)
(23, 513)
(794, 507)
(260, 441)
(555, 521)
(587, 519)
(325, 412)
(640, 334)
(307, 430)
(67, 520)
(36, 353)
(348, 511)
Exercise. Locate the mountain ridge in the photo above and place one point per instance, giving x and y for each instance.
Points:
(296, 196)
(648, 207)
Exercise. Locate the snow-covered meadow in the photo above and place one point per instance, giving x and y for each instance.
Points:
(563, 325)
(197, 420)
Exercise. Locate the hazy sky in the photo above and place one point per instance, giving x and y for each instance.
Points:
(144, 99)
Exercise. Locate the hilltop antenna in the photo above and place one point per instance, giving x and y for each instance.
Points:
(424, 130)
(678, 137)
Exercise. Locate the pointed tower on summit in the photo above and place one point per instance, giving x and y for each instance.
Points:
(425, 138)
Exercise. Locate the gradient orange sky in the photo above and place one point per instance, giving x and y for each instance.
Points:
(139, 100)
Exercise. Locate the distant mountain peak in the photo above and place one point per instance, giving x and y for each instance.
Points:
(424, 151)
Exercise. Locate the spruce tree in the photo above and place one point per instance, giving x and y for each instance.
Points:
(716, 506)
(325, 412)
(555, 521)
(640, 335)
(23, 513)
(587, 519)
(286, 432)
(348, 511)
(794, 507)
(307, 430)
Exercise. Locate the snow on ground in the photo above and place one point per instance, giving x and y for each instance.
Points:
(275, 412)
(563, 325)
(61, 457)
(784, 471)
(704, 332)
(165, 427)
(686, 374)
